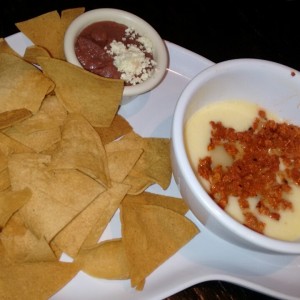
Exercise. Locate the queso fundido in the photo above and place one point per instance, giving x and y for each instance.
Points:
(249, 165)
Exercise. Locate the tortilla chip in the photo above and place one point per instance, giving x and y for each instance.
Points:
(108, 202)
(5, 48)
(32, 52)
(22, 86)
(38, 132)
(118, 128)
(37, 30)
(154, 166)
(4, 180)
(67, 16)
(39, 280)
(55, 109)
(176, 204)
(57, 196)
(81, 91)
(9, 118)
(10, 202)
(151, 235)
(120, 163)
(107, 260)
(9, 146)
(81, 148)
(22, 245)
(3, 161)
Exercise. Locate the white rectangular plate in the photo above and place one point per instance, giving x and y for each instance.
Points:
(206, 257)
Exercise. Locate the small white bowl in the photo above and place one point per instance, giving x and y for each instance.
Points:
(271, 85)
(160, 52)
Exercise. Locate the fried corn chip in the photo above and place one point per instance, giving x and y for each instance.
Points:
(38, 132)
(93, 219)
(9, 146)
(57, 196)
(22, 86)
(81, 91)
(22, 245)
(37, 30)
(3, 161)
(5, 48)
(47, 42)
(9, 118)
(32, 52)
(120, 163)
(55, 109)
(67, 16)
(110, 202)
(10, 202)
(38, 280)
(107, 260)
(151, 235)
(4, 180)
(68, 164)
(176, 204)
(118, 128)
(81, 148)
(154, 166)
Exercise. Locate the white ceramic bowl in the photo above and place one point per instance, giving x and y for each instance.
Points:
(160, 52)
(271, 85)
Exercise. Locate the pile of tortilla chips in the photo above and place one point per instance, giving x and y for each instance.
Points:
(68, 163)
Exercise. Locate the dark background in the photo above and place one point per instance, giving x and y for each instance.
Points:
(217, 30)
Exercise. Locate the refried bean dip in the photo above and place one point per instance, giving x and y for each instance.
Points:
(259, 173)
(113, 50)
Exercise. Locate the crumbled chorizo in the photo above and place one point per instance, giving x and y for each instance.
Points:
(258, 156)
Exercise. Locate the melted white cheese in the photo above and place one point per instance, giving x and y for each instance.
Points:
(238, 115)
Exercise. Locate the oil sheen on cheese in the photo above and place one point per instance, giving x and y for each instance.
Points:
(239, 115)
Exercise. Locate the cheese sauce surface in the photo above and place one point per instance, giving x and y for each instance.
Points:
(239, 115)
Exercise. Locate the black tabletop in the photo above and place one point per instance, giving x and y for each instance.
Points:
(217, 30)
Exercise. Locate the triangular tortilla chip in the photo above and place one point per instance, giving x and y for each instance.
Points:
(22, 85)
(5, 48)
(4, 180)
(109, 202)
(173, 203)
(32, 52)
(38, 132)
(39, 280)
(67, 16)
(154, 166)
(9, 118)
(22, 245)
(106, 260)
(81, 148)
(9, 146)
(10, 202)
(95, 97)
(118, 128)
(37, 30)
(151, 235)
(120, 163)
(57, 196)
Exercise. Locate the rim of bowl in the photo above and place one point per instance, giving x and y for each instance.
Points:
(99, 14)
(247, 234)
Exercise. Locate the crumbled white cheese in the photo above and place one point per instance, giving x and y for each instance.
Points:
(130, 60)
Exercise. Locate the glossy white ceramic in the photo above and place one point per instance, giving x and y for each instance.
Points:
(206, 257)
(274, 87)
(160, 52)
